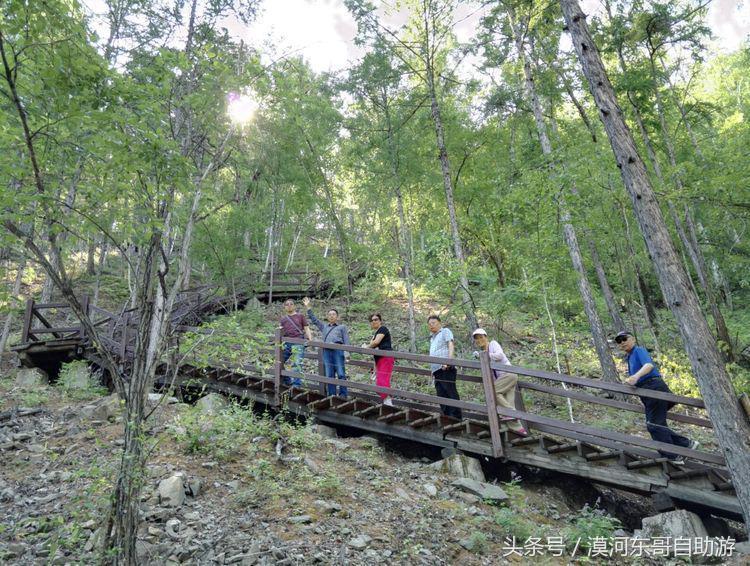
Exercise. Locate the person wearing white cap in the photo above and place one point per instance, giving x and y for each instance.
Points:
(505, 383)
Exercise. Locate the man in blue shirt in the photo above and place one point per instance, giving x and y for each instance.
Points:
(643, 373)
(333, 333)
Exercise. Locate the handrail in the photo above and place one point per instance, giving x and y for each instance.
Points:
(582, 381)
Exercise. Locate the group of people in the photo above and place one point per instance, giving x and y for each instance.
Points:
(442, 345)
(642, 371)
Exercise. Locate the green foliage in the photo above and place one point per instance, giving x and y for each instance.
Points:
(224, 436)
(234, 339)
(590, 523)
(78, 383)
(34, 398)
(514, 523)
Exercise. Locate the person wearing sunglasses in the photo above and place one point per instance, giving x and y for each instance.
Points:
(643, 373)
(381, 340)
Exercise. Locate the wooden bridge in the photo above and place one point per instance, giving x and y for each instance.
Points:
(585, 450)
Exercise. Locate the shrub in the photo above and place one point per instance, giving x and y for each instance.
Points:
(591, 523)
(77, 382)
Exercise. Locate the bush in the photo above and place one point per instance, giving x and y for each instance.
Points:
(77, 382)
(591, 523)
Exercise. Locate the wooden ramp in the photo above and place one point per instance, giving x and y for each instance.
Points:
(585, 450)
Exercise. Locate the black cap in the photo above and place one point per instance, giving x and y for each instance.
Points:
(623, 334)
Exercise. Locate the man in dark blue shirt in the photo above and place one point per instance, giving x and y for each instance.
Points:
(643, 373)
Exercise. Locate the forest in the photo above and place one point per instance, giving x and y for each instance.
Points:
(558, 178)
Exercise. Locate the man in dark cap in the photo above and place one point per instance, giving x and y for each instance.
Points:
(643, 373)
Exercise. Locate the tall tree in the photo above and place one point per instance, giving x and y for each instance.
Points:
(730, 423)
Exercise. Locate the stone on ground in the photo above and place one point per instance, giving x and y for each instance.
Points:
(104, 410)
(172, 491)
(28, 378)
(486, 491)
(461, 466)
(680, 523)
(211, 404)
(326, 431)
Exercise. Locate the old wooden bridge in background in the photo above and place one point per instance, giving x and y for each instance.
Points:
(585, 450)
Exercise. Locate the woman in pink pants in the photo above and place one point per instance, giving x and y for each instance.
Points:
(381, 340)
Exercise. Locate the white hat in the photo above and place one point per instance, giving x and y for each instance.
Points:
(479, 331)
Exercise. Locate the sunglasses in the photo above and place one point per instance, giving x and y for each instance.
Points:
(621, 339)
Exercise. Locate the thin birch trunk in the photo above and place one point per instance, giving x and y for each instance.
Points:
(609, 371)
(15, 292)
(609, 296)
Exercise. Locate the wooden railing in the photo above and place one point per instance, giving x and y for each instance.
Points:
(483, 408)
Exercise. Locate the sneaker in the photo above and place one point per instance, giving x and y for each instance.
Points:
(521, 431)
(677, 461)
(694, 445)
(388, 401)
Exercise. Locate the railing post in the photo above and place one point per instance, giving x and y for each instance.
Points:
(322, 371)
(124, 337)
(278, 364)
(27, 320)
(85, 308)
(488, 380)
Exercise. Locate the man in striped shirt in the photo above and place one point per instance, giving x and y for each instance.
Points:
(442, 346)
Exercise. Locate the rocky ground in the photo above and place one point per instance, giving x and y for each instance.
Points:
(228, 485)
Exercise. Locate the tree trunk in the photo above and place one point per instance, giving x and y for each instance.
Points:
(729, 420)
(458, 250)
(403, 228)
(15, 291)
(90, 257)
(609, 296)
(609, 371)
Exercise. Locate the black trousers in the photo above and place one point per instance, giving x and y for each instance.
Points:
(656, 416)
(445, 386)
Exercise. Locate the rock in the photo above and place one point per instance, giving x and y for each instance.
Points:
(173, 527)
(680, 523)
(172, 491)
(211, 404)
(156, 398)
(486, 491)
(468, 543)
(742, 548)
(402, 493)
(300, 519)
(144, 552)
(29, 378)
(468, 498)
(461, 466)
(105, 410)
(360, 542)
(194, 487)
(312, 465)
(338, 444)
(94, 540)
(234, 485)
(326, 431)
(430, 489)
(15, 550)
(621, 533)
(327, 507)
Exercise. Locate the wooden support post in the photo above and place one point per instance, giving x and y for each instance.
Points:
(322, 371)
(124, 337)
(278, 364)
(27, 320)
(85, 307)
(488, 380)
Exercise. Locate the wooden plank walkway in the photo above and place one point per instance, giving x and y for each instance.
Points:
(587, 451)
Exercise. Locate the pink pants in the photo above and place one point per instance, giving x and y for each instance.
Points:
(383, 371)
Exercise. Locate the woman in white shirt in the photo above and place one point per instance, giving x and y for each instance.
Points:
(505, 383)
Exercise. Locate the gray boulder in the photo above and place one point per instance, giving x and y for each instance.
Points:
(486, 491)
(104, 410)
(172, 491)
(211, 404)
(29, 378)
(460, 466)
(680, 523)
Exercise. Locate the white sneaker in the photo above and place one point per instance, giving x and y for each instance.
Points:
(388, 401)
(694, 445)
